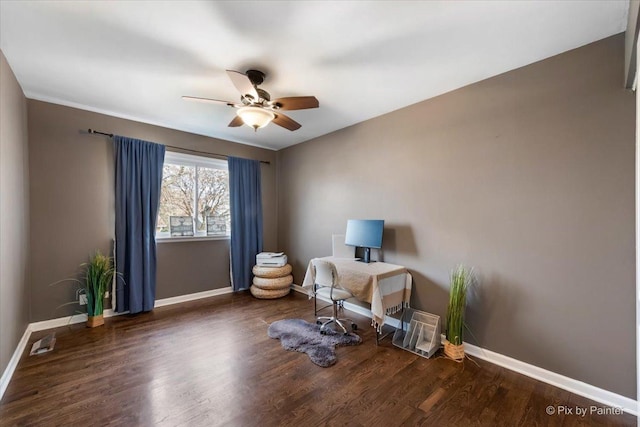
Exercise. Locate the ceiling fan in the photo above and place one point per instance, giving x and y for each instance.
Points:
(256, 109)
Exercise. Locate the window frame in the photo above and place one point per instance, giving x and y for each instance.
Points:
(182, 159)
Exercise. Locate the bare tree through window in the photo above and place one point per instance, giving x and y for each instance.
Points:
(194, 191)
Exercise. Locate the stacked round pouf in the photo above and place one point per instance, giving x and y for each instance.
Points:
(271, 282)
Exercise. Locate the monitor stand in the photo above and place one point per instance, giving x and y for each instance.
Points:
(366, 256)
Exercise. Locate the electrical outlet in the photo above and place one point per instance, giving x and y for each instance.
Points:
(82, 299)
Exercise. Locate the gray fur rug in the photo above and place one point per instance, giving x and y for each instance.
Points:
(305, 337)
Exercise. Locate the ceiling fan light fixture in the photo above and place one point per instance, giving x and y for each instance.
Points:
(255, 117)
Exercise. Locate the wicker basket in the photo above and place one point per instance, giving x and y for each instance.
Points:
(275, 283)
(272, 272)
(269, 293)
(455, 352)
(271, 282)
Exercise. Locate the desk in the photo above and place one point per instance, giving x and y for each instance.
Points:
(387, 287)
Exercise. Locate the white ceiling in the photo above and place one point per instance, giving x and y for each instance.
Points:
(361, 59)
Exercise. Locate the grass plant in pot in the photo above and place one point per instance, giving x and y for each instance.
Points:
(99, 273)
(461, 278)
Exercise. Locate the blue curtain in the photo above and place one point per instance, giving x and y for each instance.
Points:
(138, 182)
(246, 219)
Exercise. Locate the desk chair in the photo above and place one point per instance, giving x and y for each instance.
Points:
(338, 250)
(326, 285)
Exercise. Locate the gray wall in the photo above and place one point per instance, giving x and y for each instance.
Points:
(72, 205)
(528, 176)
(14, 220)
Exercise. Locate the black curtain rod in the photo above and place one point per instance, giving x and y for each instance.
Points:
(110, 135)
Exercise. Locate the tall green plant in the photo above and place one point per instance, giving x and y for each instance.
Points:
(99, 272)
(460, 281)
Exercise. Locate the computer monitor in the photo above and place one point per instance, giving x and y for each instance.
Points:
(364, 233)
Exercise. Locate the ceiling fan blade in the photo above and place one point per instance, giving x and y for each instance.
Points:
(207, 100)
(243, 84)
(296, 103)
(286, 122)
(237, 121)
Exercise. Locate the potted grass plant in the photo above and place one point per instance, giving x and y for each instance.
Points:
(95, 280)
(99, 273)
(461, 278)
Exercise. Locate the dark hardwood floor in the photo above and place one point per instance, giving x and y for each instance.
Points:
(210, 362)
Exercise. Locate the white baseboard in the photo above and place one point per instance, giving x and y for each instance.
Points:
(13, 362)
(191, 297)
(68, 320)
(574, 386)
(79, 318)
(82, 317)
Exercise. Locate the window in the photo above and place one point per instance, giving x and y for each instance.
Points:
(194, 199)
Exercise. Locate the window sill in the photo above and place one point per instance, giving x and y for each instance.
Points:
(190, 239)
